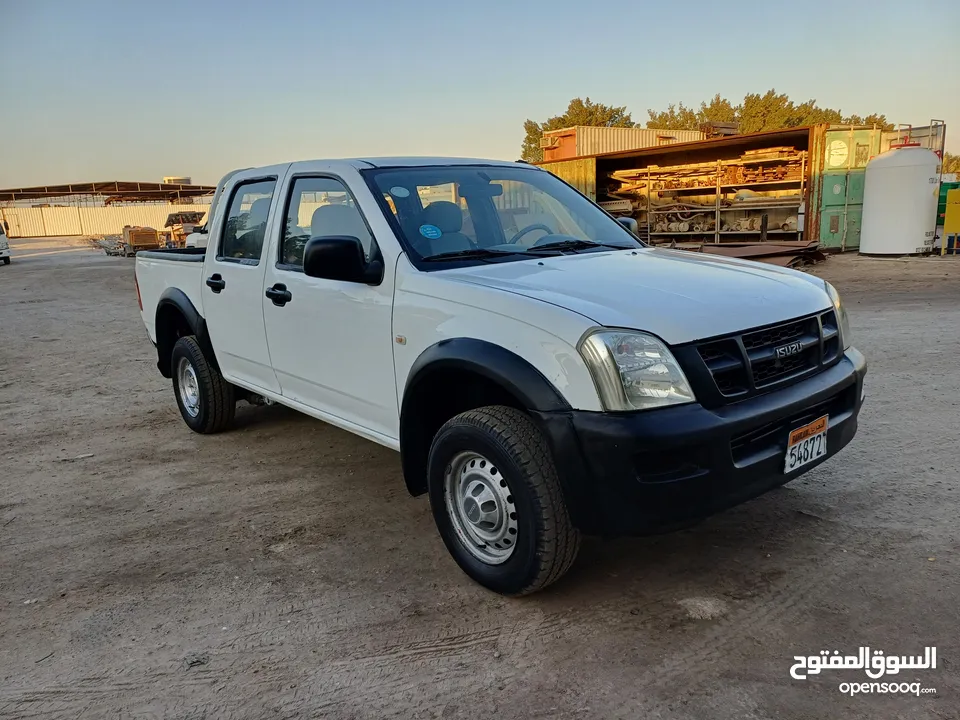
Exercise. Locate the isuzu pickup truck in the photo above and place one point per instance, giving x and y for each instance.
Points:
(542, 372)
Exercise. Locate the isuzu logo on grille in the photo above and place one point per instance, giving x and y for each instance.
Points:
(787, 350)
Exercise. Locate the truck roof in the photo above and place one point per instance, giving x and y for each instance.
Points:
(416, 161)
(386, 162)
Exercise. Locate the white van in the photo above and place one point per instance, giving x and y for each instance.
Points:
(4, 245)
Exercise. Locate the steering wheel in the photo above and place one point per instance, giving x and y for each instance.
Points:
(530, 228)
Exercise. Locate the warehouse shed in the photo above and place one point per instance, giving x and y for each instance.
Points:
(584, 140)
(96, 208)
(803, 183)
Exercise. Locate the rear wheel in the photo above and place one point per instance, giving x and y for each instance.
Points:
(206, 401)
(497, 501)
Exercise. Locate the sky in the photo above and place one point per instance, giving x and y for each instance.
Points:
(118, 90)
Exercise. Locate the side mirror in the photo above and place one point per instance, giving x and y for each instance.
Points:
(630, 224)
(340, 257)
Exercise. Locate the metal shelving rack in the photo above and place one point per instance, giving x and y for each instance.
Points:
(719, 192)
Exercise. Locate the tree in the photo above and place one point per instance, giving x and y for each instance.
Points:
(579, 112)
(809, 114)
(879, 120)
(769, 111)
(680, 117)
(719, 110)
(951, 163)
(675, 117)
(765, 112)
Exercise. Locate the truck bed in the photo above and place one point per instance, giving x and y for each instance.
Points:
(194, 254)
(161, 270)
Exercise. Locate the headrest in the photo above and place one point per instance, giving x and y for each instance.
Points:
(445, 215)
(258, 212)
(337, 220)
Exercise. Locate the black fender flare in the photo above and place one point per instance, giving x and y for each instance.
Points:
(493, 362)
(513, 374)
(177, 299)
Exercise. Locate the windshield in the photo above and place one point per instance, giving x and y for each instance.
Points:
(475, 214)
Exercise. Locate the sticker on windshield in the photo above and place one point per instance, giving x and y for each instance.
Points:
(431, 232)
(399, 191)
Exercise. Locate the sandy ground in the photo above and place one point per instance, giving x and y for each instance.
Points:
(281, 570)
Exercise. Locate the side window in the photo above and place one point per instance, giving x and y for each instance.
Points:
(246, 222)
(320, 206)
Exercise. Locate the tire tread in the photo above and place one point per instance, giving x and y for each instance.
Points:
(215, 390)
(516, 432)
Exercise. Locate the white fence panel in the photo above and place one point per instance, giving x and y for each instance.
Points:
(109, 220)
(24, 222)
(59, 221)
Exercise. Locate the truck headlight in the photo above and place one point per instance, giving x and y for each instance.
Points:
(634, 371)
(845, 335)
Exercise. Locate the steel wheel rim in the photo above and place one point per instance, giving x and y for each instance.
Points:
(189, 387)
(481, 508)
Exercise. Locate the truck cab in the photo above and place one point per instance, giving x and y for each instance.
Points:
(541, 371)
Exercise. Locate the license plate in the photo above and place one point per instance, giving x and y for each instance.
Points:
(806, 444)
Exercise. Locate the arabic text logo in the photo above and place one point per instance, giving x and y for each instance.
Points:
(875, 665)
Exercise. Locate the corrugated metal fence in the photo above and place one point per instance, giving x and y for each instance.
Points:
(108, 220)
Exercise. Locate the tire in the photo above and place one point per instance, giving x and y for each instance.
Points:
(536, 542)
(215, 402)
(6, 261)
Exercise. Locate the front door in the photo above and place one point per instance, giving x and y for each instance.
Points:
(331, 343)
(232, 287)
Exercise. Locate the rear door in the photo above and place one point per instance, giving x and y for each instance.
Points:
(233, 278)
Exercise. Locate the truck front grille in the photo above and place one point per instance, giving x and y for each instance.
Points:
(771, 356)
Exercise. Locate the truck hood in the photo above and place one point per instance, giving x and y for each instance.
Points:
(677, 295)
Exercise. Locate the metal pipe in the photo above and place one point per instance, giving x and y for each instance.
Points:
(716, 206)
(846, 194)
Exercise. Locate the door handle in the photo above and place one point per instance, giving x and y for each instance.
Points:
(216, 283)
(279, 294)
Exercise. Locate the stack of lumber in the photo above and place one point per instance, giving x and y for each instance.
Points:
(793, 254)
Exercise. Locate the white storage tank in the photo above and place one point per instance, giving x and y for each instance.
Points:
(900, 201)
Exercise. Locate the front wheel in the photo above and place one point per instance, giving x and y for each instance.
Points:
(205, 399)
(6, 261)
(497, 501)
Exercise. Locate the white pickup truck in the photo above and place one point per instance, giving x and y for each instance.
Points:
(541, 371)
(4, 246)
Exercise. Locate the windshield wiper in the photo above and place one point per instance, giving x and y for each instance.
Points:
(471, 254)
(575, 244)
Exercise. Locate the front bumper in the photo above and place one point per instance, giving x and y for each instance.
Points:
(644, 472)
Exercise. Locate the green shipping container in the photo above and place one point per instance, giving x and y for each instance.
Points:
(838, 189)
(846, 149)
(841, 228)
(842, 188)
(841, 209)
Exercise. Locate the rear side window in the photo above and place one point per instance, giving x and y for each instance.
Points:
(318, 207)
(246, 223)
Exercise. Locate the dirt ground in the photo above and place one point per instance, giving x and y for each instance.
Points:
(281, 569)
